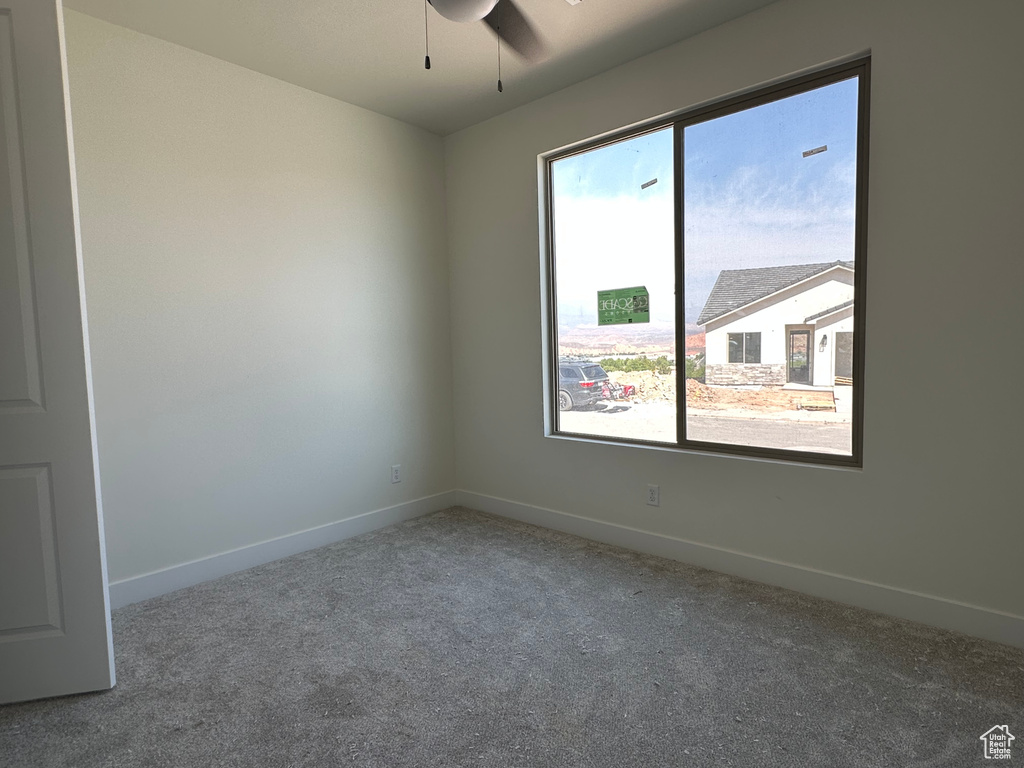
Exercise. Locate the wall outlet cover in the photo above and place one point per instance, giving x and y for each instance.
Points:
(653, 496)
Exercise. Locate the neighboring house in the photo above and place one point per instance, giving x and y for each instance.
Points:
(778, 325)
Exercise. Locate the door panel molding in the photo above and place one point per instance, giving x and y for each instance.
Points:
(30, 596)
(21, 374)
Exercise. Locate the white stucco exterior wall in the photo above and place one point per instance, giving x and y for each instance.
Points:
(771, 316)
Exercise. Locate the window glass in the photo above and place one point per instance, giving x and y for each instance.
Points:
(769, 201)
(844, 356)
(613, 232)
(752, 347)
(709, 270)
(735, 347)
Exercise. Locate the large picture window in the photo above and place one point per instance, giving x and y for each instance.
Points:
(706, 276)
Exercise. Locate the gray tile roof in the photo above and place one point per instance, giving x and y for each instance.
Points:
(736, 288)
(828, 311)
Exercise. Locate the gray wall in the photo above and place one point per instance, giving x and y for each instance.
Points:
(267, 288)
(937, 507)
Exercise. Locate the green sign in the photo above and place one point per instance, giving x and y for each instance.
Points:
(623, 305)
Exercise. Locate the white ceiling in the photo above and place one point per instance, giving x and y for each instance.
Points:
(370, 52)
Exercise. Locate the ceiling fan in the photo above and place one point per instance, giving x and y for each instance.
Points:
(503, 16)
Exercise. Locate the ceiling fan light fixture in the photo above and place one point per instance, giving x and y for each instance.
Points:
(464, 10)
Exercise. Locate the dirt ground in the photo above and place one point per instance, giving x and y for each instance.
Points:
(652, 388)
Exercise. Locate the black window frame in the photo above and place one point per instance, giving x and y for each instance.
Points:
(860, 68)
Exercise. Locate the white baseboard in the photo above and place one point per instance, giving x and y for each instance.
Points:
(161, 582)
(926, 609)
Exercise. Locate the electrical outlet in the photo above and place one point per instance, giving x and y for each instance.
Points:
(396, 473)
(653, 496)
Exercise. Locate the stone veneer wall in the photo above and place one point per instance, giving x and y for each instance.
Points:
(730, 374)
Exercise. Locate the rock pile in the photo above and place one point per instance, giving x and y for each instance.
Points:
(651, 387)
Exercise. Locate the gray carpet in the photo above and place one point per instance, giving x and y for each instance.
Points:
(461, 639)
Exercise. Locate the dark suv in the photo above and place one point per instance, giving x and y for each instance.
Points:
(581, 382)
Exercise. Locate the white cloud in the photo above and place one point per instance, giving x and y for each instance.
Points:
(604, 243)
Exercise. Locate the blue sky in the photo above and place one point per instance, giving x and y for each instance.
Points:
(750, 199)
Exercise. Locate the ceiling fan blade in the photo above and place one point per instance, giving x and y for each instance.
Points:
(512, 26)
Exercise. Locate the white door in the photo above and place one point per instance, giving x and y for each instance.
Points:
(54, 614)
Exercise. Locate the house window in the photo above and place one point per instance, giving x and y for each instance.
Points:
(745, 347)
(709, 269)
